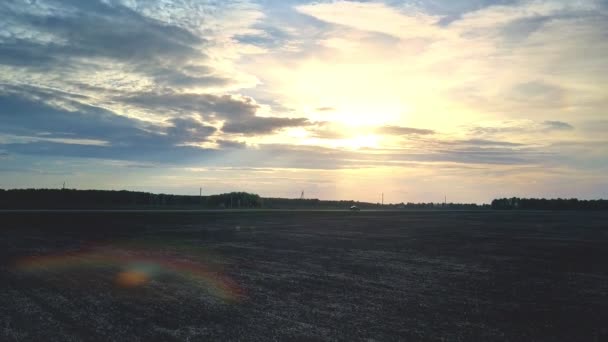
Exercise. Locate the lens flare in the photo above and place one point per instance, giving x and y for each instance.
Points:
(137, 267)
(131, 279)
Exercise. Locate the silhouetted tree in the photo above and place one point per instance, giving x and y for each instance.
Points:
(548, 204)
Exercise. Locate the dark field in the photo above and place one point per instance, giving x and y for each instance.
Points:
(263, 276)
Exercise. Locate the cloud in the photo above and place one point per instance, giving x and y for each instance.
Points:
(557, 126)
(484, 142)
(494, 60)
(24, 114)
(521, 127)
(239, 113)
(537, 93)
(163, 149)
(398, 130)
(48, 114)
(176, 78)
(189, 130)
(207, 105)
(99, 29)
(113, 76)
(230, 144)
(164, 154)
(325, 130)
(22, 53)
(366, 16)
(138, 44)
(331, 130)
(462, 153)
(262, 125)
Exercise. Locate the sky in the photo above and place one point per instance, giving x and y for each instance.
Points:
(469, 99)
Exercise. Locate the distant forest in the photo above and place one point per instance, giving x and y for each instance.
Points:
(103, 199)
(548, 204)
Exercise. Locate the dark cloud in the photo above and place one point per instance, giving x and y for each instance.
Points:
(180, 79)
(22, 53)
(558, 126)
(53, 115)
(143, 153)
(99, 29)
(284, 156)
(325, 109)
(188, 130)
(207, 105)
(398, 130)
(89, 32)
(30, 170)
(28, 114)
(268, 37)
(129, 139)
(261, 125)
(237, 112)
(68, 37)
(42, 115)
(157, 148)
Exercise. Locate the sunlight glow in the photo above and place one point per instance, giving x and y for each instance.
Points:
(356, 143)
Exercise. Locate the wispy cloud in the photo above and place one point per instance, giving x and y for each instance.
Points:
(398, 130)
(558, 125)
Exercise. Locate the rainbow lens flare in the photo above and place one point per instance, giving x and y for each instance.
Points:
(131, 278)
(137, 267)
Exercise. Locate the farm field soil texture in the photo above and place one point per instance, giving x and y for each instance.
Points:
(303, 275)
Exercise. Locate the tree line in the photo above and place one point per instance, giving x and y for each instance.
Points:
(516, 203)
(101, 199)
(106, 199)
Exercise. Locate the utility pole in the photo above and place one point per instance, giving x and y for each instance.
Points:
(383, 198)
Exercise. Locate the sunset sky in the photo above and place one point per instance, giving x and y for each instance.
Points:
(473, 99)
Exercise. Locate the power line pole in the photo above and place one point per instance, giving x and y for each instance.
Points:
(383, 198)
